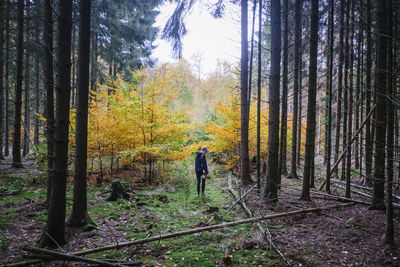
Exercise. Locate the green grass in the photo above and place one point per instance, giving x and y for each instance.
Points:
(170, 207)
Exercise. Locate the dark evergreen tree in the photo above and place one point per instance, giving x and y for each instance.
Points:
(368, 69)
(244, 107)
(79, 215)
(2, 93)
(296, 88)
(259, 98)
(389, 235)
(17, 163)
(282, 145)
(49, 92)
(312, 90)
(55, 225)
(328, 138)
(381, 105)
(271, 188)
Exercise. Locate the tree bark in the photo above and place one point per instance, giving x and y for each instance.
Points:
(55, 226)
(368, 139)
(381, 104)
(17, 163)
(282, 147)
(340, 81)
(244, 109)
(389, 233)
(26, 123)
(350, 101)
(312, 90)
(48, 84)
(271, 187)
(259, 99)
(79, 216)
(2, 23)
(296, 89)
(7, 85)
(346, 87)
(329, 96)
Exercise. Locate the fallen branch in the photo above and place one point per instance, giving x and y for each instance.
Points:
(68, 257)
(363, 188)
(395, 205)
(195, 230)
(336, 165)
(342, 198)
(240, 198)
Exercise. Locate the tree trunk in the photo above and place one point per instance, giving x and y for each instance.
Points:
(79, 216)
(259, 100)
(2, 9)
(389, 235)
(381, 104)
(271, 187)
(18, 88)
(48, 84)
(312, 89)
(26, 123)
(359, 104)
(296, 89)
(282, 147)
(350, 101)
(7, 85)
(244, 109)
(340, 81)
(55, 226)
(37, 75)
(346, 87)
(368, 139)
(299, 124)
(329, 97)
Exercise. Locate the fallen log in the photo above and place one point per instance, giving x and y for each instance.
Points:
(363, 188)
(68, 257)
(193, 231)
(250, 214)
(342, 198)
(395, 205)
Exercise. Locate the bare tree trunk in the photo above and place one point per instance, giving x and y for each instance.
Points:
(389, 235)
(2, 23)
(300, 124)
(350, 101)
(282, 147)
(49, 84)
(381, 104)
(7, 85)
(259, 100)
(329, 97)
(18, 89)
(37, 76)
(244, 111)
(346, 87)
(26, 124)
(368, 139)
(55, 225)
(79, 216)
(271, 188)
(312, 90)
(296, 89)
(340, 81)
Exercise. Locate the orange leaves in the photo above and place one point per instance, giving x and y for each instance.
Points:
(134, 119)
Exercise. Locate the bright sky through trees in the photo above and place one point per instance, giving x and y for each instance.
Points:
(214, 39)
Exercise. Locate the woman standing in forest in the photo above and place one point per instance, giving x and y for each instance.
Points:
(201, 169)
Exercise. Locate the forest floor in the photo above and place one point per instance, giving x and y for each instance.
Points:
(349, 236)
